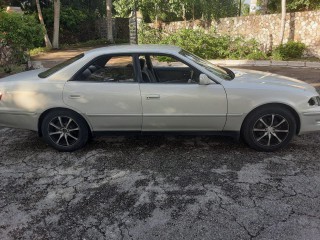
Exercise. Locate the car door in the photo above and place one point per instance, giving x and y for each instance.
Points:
(106, 91)
(180, 103)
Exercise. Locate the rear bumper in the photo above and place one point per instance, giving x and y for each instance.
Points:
(23, 120)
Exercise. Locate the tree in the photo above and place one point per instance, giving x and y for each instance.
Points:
(3, 3)
(215, 9)
(123, 8)
(184, 9)
(109, 20)
(274, 6)
(175, 10)
(56, 23)
(245, 8)
(46, 38)
(263, 6)
(179, 8)
(283, 20)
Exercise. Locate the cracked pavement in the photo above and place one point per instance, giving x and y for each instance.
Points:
(156, 187)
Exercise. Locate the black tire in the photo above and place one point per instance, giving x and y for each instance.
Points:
(65, 130)
(269, 128)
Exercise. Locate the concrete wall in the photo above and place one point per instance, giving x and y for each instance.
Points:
(300, 26)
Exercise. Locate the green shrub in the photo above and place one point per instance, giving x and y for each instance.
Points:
(148, 35)
(240, 48)
(200, 43)
(290, 50)
(207, 45)
(70, 19)
(19, 33)
(75, 25)
(259, 55)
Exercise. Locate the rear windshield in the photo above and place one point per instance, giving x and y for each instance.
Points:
(60, 66)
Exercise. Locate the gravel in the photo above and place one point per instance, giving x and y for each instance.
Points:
(158, 188)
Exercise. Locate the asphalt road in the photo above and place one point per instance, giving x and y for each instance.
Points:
(160, 188)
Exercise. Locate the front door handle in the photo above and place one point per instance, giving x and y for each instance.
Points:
(153, 96)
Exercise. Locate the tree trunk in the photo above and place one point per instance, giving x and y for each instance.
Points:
(193, 12)
(156, 16)
(109, 21)
(184, 15)
(283, 20)
(56, 24)
(264, 6)
(46, 38)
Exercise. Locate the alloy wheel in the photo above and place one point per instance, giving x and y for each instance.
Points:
(64, 131)
(271, 130)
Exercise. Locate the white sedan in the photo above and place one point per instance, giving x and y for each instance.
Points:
(147, 89)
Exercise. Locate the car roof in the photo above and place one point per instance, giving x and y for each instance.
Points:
(135, 48)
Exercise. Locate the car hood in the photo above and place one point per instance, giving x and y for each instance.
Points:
(265, 78)
(23, 76)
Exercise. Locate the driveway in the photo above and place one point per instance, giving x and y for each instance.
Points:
(160, 188)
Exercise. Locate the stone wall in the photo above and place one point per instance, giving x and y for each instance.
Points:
(120, 28)
(5, 55)
(300, 26)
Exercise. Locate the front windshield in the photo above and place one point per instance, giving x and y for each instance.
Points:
(218, 71)
(58, 67)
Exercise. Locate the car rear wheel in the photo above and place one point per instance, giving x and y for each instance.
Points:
(269, 129)
(64, 130)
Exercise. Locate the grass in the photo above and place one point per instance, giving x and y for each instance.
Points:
(39, 50)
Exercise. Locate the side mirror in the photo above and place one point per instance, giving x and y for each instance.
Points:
(204, 80)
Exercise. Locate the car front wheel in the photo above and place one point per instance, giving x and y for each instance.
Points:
(269, 128)
(64, 130)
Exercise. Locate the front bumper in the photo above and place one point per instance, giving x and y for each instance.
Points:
(310, 120)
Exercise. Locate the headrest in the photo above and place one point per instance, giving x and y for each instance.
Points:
(92, 68)
(142, 63)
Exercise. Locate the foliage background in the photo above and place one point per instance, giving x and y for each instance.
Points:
(77, 24)
(78, 16)
(274, 6)
(206, 45)
(18, 33)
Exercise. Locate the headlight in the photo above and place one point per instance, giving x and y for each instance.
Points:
(314, 101)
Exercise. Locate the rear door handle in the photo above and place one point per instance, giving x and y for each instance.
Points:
(74, 96)
(153, 96)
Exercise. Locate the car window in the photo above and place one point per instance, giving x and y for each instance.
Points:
(166, 69)
(166, 61)
(109, 69)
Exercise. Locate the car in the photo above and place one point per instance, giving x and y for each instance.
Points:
(152, 89)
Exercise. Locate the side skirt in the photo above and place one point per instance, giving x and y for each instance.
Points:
(234, 134)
